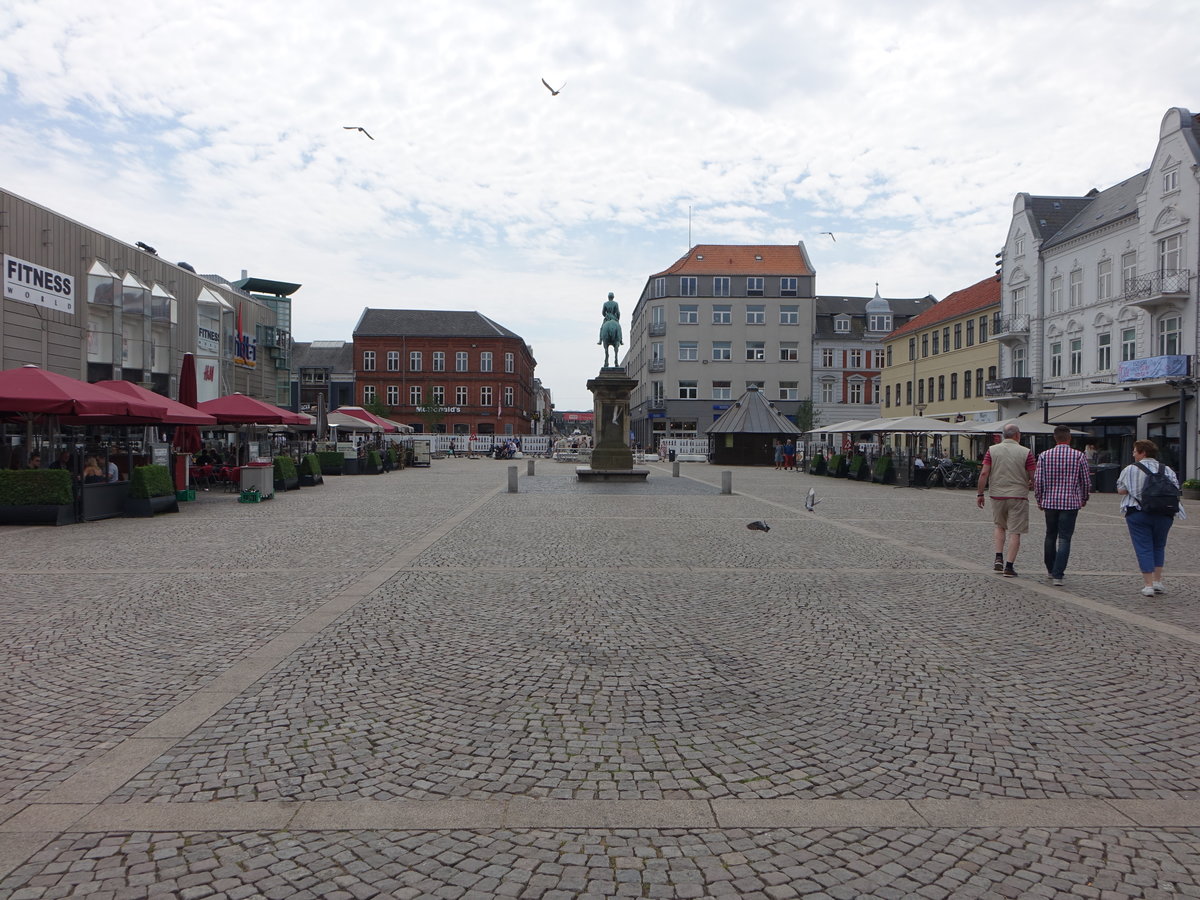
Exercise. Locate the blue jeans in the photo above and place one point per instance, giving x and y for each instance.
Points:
(1060, 528)
(1149, 535)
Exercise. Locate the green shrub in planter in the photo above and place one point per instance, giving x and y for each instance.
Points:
(393, 457)
(854, 467)
(836, 469)
(332, 462)
(285, 468)
(310, 465)
(150, 481)
(36, 487)
(818, 465)
(885, 470)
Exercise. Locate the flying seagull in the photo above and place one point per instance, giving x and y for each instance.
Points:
(760, 525)
(358, 128)
(811, 500)
(831, 237)
(553, 92)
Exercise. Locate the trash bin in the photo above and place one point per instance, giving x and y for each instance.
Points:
(1104, 478)
(670, 456)
(920, 476)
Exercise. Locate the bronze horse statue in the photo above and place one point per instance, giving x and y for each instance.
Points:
(610, 331)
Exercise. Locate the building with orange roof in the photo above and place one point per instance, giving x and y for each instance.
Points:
(721, 318)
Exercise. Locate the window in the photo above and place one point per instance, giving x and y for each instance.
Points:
(754, 287)
(924, 345)
(789, 315)
(657, 392)
(1104, 351)
(953, 385)
(929, 385)
(1128, 269)
(1018, 301)
(887, 396)
(485, 361)
(660, 287)
(983, 329)
(1075, 289)
(687, 390)
(827, 357)
(826, 391)
(658, 315)
(439, 360)
(1170, 253)
(1055, 359)
(393, 395)
(889, 357)
(1018, 246)
(414, 361)
(920, 390)
(1104, 279)
(722, 390)
(789, 351)
(841, 324)
(460, 361)
(854, 359)
(789, 390)
(1056, 293)
(756, 350)
(1170, 181)
(687, 286)
(689, 314)
(1076, 356)
(1170, 331)
(1018, 362)
(689, 350)
(438, 394)
(967, 384)
(880, 322)
(722, 350)
(1128, 344)
(509, 363)
(908, 395)
(414, 395)
(912, 349)
(461, 396)
(756, 315)
(393, 361)
(941, 388)
(788, 286)
(369, 362)
(946, 339)
(508, 396)
(368, 394)
(958, 335)
(971, 333)
(936, 337)
(721, 286)
(979, 382)
(485, 395)
(856, 392)
(722, 314)
(656, 352)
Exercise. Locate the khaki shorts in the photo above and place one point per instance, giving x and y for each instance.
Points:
(1011, 514)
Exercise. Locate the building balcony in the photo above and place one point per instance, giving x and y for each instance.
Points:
(657, 329)
(657, 403)
(999, 388)
(1010, 329)
(657, 365)
(1149, 292)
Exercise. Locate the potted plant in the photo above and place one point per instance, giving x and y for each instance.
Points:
(1191, 489)
(150, 492)
(837, 466)
(36, 497)
(818, 465)
(286, 476)
(374, 463)
(885, 470)
(332, 462)
(310, 470)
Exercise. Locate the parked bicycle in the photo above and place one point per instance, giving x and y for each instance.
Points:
(953, 473)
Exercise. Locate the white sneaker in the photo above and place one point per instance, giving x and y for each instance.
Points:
(1147, 591)
(1158, 588)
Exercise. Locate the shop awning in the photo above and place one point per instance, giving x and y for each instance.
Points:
(1121, 409)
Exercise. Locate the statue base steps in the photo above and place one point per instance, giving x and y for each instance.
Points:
(587, 473)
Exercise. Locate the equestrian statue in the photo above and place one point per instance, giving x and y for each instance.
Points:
(610, 331)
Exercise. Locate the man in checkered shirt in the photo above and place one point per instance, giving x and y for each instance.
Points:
(1061, 484)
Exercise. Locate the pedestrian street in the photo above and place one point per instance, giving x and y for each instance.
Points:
(421, 685)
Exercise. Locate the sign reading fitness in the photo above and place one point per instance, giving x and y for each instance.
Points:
(29, 283)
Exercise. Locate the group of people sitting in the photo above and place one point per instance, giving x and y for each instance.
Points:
(93, 471)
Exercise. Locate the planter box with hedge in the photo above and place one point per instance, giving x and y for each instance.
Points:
(310, 470)
(374, 463)
(36, 497)
(151, 491)
(1191, 489)
(286, 476)
(839, 466)
(885, 470)
(331, 461)
(818, 465)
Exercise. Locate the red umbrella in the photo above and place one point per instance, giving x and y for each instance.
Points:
(238, 409)
(187, 436)
(367, 416)
(177, 413)
(33, 390)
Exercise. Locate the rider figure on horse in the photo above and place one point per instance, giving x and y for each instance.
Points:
(610, 331)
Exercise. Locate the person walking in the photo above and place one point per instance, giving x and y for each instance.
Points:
(1061, 484)
(778, 453)
(1008, 468)
(1147, 530)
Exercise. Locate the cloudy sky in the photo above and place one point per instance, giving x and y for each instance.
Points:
(214, 132)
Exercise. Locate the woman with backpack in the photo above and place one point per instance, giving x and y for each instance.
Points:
(1150, 503)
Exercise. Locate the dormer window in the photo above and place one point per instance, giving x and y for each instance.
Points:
(841, 324)
(880, 322)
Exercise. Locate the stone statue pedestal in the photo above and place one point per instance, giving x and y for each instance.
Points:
(612, 460)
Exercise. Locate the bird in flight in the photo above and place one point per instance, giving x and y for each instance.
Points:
(553, 92)
(358, 128)
(811, 500)
(830, 233)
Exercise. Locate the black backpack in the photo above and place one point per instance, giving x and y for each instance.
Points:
(1160, 497)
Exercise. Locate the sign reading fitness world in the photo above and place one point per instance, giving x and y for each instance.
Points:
(29, 283)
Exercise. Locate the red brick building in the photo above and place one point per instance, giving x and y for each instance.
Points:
(473, 373)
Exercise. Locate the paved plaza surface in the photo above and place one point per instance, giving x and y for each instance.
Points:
(420, 685)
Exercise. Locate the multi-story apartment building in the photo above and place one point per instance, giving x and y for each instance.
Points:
(322, 368)
(939, 363)
(470, 374)
(719, 319)
(1099, 321)
(848, 352)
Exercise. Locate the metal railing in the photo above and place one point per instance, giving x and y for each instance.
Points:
(657, 329)
(1168, 281)
(657, 365)
(1018, 324)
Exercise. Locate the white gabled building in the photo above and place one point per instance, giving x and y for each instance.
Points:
(1098, 325)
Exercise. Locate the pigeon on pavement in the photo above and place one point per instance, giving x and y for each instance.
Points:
(760, 525)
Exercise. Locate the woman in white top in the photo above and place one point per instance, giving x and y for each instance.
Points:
(1147, 531)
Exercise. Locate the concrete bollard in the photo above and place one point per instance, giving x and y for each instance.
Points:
(529, 467)
(726, 482)
(675, 469)
(512, 479)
